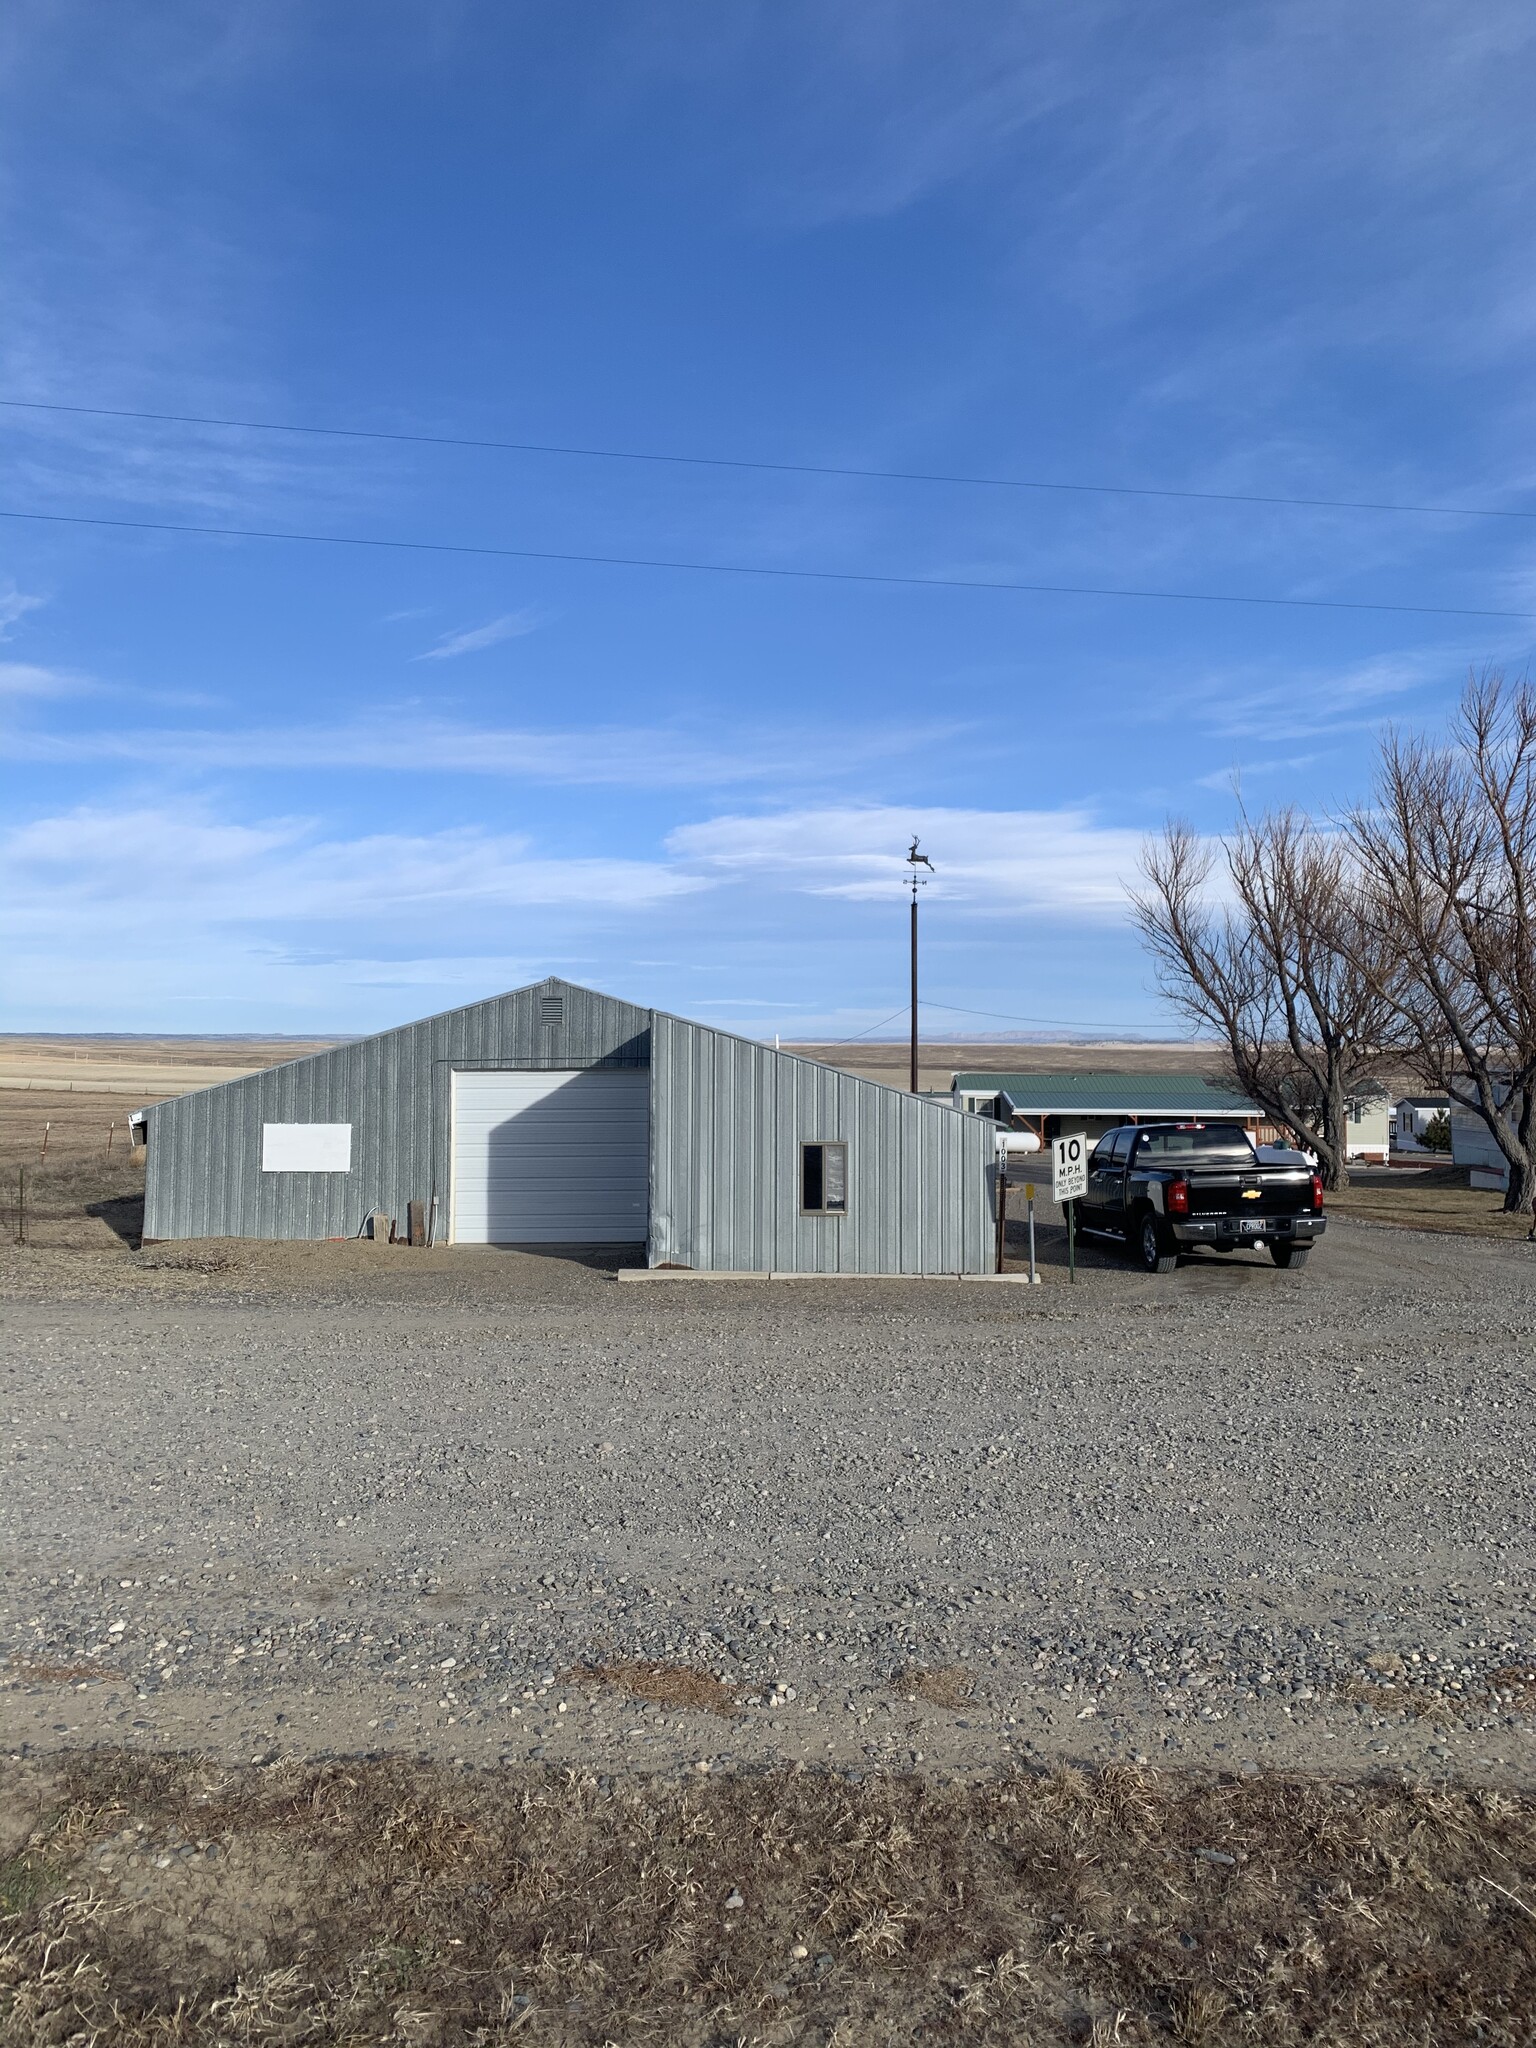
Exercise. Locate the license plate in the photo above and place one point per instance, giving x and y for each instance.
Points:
(1252, 1225)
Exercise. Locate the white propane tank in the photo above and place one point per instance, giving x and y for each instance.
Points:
(1012, 1142)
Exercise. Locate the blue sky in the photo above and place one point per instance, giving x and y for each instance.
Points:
(1281, 250)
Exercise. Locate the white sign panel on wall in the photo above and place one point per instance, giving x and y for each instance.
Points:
(306, 1148)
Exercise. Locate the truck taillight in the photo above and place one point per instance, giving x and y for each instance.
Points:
(1317, 1191)
(1178, 1198)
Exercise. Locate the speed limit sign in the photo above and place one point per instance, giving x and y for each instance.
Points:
(1069, 1167)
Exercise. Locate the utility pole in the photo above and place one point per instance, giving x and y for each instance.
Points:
(916, 860)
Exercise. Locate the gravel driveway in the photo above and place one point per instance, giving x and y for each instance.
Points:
(322, 1498)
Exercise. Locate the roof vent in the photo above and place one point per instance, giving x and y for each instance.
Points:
(551, 1009)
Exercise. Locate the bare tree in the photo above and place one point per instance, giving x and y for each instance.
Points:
(1448, 852)
(1278, 970)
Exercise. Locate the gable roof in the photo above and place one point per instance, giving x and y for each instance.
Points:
(502, 1029)
(1110, 1094)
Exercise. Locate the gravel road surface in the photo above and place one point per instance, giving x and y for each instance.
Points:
(272, 1500)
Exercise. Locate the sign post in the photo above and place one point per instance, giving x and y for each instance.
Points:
(1029, 1197)
(1069, 1183)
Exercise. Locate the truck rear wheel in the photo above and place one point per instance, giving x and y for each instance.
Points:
(1156, 1255)
(1289, 1254)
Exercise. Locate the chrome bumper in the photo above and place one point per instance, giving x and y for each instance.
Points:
(1246, 1229)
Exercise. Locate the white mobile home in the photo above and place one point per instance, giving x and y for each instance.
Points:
(1473, 1146)
(1370, 1126)
(1411, 1117)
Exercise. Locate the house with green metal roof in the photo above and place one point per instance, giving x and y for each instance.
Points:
(1053, 1103)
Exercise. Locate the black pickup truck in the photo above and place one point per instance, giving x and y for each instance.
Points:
(1162, 1189)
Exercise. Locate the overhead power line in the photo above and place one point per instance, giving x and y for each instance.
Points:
(904, 1011)
(444, 547)
(901, 476)
(1011, 1017)
(1005, 1016)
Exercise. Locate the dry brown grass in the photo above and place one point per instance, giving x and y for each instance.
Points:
(1437, 1198)
(946, 1685)
(59, 1674)
(80, 1193)
(1426, 1694)
(193, 1257)
(1514, 1685)
(664, 1685)
(387, 1902)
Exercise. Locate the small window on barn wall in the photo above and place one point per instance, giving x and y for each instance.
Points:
(824, 1179)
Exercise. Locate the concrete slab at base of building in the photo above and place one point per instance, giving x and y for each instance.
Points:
(659, 1273)
(557, 1115)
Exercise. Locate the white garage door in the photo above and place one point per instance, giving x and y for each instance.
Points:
(551, 1158)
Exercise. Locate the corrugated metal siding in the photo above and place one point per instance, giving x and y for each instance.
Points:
(727, 1121)
(203, 1173)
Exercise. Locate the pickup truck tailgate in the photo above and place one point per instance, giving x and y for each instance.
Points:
(1279, 1193)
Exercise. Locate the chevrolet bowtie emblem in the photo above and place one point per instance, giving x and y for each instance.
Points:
(1250, 1194)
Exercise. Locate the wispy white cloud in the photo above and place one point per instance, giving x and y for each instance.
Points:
(868, 105)
(638, 757)
(183, 911)
(149, 912)
(1263, 704)
(1172, 140)
(1238, 774)
(1059, 862)
(14, 606)
(1341, 129)
(28, 679)
(185, 868)
(474, 639)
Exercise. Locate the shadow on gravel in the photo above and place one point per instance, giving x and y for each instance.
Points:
(123, 1216)
(1211, 1272)
(598, 1258)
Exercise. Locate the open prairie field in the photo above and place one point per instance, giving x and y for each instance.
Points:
(145, 1068)
(889, 1060)
(150, 1068)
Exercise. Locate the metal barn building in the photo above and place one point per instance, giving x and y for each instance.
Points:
(557, 1115)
